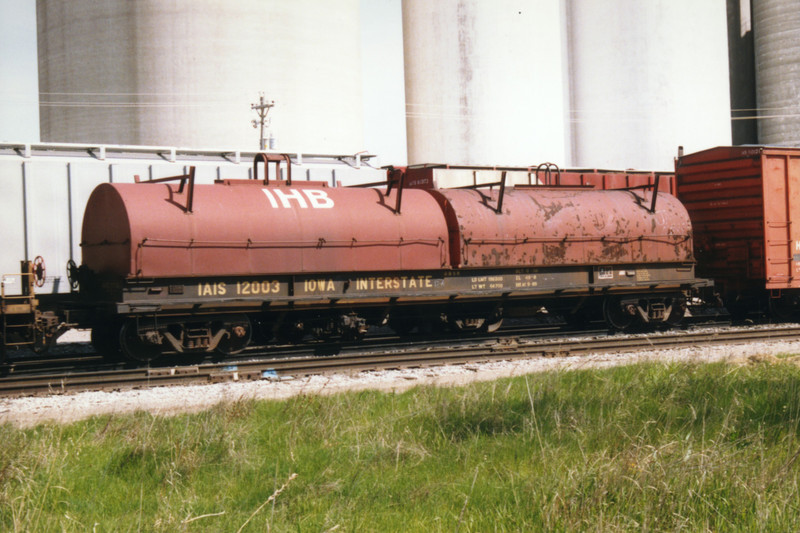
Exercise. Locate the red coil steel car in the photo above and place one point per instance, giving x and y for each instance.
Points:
(173, 266)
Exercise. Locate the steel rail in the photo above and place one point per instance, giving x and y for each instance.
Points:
(500, 348)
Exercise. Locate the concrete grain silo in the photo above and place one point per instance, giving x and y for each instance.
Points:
(645, 78)
(484, 82)
(776, 26)
(184, 72)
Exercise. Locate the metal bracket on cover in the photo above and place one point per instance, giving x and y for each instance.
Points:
(502, 184)
(654, 186)
(395, 178)
(273, 158)
(184, 179)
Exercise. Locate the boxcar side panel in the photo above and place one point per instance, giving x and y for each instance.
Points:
(781, 171)
(724, 198)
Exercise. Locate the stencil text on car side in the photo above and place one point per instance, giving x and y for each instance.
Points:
(315, 198)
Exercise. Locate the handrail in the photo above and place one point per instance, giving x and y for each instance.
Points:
(547, 173)
(27, 276)
(272, 158)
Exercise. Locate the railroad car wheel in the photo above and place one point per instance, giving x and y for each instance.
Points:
(132, 345)
(467, 324)
(402, 322)
(784, 308)
(491, 327)
(483, 325)
(352, 327)
(263, 330)
(677, 313)
(617, 315)
(493, 321)
(402, 326)
(240, 332)
(291, 331)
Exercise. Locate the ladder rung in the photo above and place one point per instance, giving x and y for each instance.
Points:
(18, 343)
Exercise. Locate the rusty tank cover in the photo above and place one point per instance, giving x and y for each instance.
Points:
(550, 227)
(248, 227)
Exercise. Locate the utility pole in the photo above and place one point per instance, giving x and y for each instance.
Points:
(262, 108)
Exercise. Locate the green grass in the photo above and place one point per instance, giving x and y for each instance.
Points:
(646, 447)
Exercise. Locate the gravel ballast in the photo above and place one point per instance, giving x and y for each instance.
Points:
(28, 412)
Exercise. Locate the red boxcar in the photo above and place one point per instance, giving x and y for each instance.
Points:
(744, 203)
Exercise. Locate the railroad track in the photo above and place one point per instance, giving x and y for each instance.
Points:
(498, 348)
